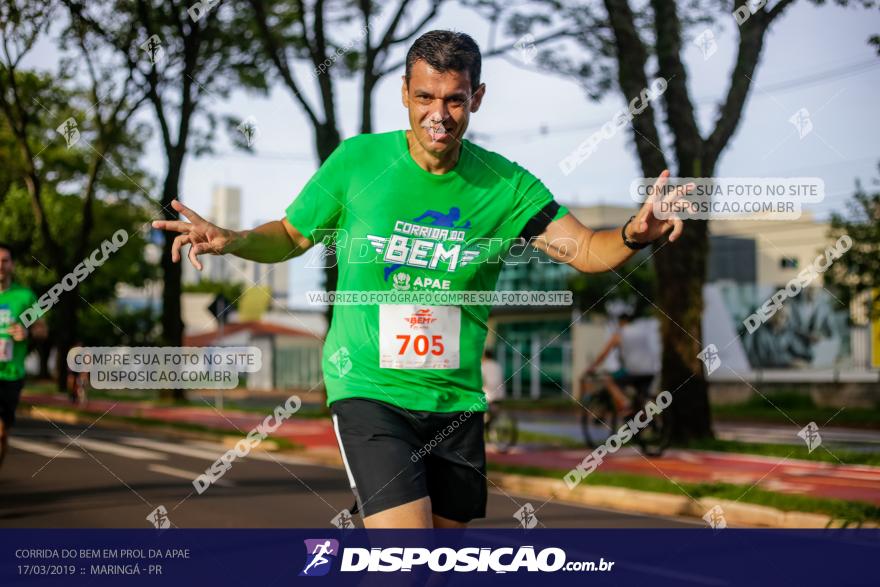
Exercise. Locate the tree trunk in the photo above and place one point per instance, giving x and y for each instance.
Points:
(68, 325)
(367, 103)
(44, 348)
(681, 273)
(172, 324)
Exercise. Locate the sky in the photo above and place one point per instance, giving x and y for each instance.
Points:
(814, 57)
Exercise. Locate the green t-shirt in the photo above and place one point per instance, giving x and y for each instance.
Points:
(13, 302)
(399, 227)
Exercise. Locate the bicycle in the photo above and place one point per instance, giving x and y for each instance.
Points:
(600, 418)
(501, 427)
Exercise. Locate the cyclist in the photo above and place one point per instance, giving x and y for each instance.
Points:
(435, 212)
(14, 299)
(637, 358)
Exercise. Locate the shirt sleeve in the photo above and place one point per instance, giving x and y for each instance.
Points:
(534, 206)
(321, 202)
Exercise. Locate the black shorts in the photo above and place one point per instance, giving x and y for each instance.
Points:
(394, 456)
(10, 393)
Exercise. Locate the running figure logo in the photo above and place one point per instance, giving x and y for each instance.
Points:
(447, 220)
(317, 553)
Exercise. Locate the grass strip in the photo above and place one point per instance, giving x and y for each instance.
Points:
(851, 512)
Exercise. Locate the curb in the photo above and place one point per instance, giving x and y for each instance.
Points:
(614, 498)
(664, 504)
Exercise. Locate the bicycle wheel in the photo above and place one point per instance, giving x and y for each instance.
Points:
(503, 432)
(598, 419)
(655, 438)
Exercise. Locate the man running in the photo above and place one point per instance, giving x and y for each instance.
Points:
(14, 299)
(407, 407)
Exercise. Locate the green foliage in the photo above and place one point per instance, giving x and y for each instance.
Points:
(64, 214)
(857, 272)
(64, 171)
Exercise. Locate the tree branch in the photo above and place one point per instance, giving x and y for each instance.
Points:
(679, 109)
(632, 60)
(278, 58)
(751, 41)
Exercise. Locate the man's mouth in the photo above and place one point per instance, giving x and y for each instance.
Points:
(437, 132)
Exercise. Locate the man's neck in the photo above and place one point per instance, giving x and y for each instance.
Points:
(5, 284)
(430, 162)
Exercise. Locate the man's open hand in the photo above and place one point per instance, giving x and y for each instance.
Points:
(202, 236)
(646, 227)
(17, 332)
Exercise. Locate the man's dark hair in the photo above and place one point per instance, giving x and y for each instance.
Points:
(8, 248)
(444, 51)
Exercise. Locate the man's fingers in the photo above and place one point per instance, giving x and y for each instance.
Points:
(175, 246)
(186, 212)
(173, 225)
(662, 179)
(679, 192)
(677, 228)
(641, 220)
(194, 258)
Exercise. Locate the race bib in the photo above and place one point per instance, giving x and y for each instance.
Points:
(419, 337)
(6, 345)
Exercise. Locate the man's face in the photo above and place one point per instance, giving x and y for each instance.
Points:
(6, 264)
(440, 105)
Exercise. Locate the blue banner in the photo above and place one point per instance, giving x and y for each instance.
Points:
(274, 558)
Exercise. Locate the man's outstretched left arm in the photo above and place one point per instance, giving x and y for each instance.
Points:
(568, 241)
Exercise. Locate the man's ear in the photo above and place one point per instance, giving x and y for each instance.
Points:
(404, 92)
(477, 98)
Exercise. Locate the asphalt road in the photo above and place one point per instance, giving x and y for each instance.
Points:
(65, 476)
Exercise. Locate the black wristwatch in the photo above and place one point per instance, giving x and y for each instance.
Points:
(632, 244)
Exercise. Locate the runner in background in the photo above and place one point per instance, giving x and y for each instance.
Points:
(14, 299)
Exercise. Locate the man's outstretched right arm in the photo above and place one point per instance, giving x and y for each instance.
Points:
(270, 243)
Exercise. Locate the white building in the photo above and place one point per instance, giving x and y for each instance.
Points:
(226, 212)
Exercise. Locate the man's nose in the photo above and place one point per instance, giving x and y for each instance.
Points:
(441, 112)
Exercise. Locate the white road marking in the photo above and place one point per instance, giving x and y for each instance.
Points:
(181, 474)
(119, 450)
(271, 457)
(179, 449)
(43, 449)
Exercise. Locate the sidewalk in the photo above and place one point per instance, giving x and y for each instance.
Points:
(818, 479)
